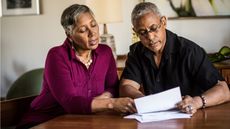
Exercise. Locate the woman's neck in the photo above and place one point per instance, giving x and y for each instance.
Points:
(80, 52)
(85, 57)
(83, 53)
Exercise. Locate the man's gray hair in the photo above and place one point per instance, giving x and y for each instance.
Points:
(142, 9)
(70, 16)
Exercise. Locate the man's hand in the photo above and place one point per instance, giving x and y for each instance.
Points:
(189, 104)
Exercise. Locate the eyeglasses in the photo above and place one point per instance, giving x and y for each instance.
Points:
(153, 28)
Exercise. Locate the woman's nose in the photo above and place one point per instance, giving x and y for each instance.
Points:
(92, 32)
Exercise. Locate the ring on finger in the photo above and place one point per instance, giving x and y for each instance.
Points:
(190, 108)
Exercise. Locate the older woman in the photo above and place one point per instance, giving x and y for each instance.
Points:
(80, 76)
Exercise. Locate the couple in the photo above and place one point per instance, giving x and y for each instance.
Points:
(80, 76)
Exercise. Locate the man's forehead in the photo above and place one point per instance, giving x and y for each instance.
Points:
(148, 18)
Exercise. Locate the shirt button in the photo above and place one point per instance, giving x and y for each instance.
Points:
(89, 92)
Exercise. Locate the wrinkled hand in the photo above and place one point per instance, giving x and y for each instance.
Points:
(124, 105)
(188, 105)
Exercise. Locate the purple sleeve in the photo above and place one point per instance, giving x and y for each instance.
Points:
(58, 75)
(111, 80)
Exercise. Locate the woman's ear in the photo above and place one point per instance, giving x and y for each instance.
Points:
(69, 37)
(67, 34)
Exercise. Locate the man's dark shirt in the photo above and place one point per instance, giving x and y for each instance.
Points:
(183, 64)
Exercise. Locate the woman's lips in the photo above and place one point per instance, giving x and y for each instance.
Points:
(93, 42)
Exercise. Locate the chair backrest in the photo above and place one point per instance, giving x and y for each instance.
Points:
(28, 84)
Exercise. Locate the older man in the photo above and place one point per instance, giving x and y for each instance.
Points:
(163, 60)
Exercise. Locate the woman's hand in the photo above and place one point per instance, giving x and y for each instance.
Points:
(104, 95)
(105, 101)
(189, 104)
(124, 105)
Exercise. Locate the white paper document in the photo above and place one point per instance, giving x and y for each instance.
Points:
(158, 107)
(158, 116)
(158, 102)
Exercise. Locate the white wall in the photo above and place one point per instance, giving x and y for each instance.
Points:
(0, 8)
(25, 40)
(0, 53)
(211, 34)
(0, 43)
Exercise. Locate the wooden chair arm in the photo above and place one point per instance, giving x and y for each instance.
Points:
(13, 109)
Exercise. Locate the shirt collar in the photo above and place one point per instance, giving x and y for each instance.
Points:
(171, 45)
(70, 49)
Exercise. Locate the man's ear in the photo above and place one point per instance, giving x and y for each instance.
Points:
(164, 21)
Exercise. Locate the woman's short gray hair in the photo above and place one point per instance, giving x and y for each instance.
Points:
(70, 16)
(144, 8)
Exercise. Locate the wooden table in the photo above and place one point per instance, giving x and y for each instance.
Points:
(217, 117)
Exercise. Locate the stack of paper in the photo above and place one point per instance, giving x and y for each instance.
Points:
(158, 107)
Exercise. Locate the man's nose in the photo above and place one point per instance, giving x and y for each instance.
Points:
(150, 35)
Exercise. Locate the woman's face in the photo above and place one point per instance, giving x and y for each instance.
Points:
(85, 34)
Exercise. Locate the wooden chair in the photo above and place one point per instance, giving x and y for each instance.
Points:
(12, 110)
(19, 97)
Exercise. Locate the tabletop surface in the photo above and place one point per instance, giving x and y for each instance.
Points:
(217, 117)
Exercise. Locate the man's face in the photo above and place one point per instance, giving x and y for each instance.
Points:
(151, 30)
